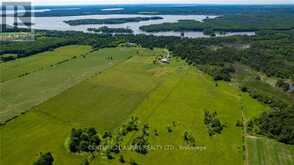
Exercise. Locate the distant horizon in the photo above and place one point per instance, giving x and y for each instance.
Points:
(153, 2)
(212, 4)
(158, 2)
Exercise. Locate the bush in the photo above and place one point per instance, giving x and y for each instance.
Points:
(169, 129)
(116, 148)
(84, 140)
(6, 58)
(107, 134)
(85, 162)
(283, 85)
(141, 144)
(109, 155)
(212, 123)
(132, 124)
(45, 159)
(189, 139)
(244, 89)
(133, 162)
(83, 146)
(122, 159)
(239, 123)
(222, 75)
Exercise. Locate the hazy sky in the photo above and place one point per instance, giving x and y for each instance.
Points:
(60, 2)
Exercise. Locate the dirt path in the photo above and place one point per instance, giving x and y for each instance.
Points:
(245, 135)
(251, 137)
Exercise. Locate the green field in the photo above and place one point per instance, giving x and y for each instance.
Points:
(97, 92)
(264, 151)
(23, 66)
(112, 99)
(21, 94)
(182, 98)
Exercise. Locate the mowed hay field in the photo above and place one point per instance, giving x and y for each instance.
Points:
(21, 94)
(263, 151)
(182, 99)
(174, 95)
(103, 101)
(22, 66)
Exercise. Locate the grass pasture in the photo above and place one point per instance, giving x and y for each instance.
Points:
(108, 98)
(105, 93)
(263, 151)
(14, 69)
(182, 98)
(21, 94)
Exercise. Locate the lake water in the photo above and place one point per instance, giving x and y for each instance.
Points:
(56, 23)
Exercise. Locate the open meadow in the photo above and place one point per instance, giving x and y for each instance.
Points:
(263, 151)
(22, 93)
(106, 88)
(24, 66)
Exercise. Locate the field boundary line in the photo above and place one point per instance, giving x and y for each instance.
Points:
(51, 65)
(95, 74)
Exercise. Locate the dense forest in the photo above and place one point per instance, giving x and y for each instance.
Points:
(276, 124)
(109, 20)
(105, 29)
(22, 49)
(49, 40)
(230, 23)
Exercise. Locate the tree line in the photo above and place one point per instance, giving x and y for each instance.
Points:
(229, 23)
(110, 20)
(105, 29)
